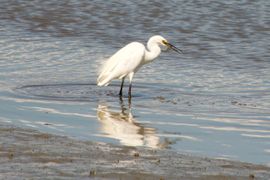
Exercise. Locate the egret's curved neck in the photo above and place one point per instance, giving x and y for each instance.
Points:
(152, 52)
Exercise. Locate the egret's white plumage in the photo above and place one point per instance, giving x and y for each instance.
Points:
(127, 61)
(123, 63)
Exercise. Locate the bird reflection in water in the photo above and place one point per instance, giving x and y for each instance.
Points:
(122, 126)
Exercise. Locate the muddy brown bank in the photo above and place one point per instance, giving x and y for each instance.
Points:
(29, 154)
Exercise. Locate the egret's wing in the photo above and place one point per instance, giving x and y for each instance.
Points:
(123, 62)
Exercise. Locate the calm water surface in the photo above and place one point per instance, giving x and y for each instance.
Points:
(214, 100)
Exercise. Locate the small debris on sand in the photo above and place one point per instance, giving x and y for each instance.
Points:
(29, 153)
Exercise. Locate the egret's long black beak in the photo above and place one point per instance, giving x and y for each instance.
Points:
(179, 51)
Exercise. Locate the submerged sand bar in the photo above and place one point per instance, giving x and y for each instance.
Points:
(30, 154)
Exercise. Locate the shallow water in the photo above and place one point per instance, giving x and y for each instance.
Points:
(214, 100)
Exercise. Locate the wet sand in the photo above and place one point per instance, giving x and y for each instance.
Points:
(30, 154)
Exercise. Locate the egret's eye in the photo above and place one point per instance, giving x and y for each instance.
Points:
(164, 42)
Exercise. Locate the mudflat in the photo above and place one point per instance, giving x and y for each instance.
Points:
(30, 154)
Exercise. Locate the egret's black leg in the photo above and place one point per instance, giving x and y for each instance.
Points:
(129, 91)
(130, 85)
(129, 95)
(122, 84)
(122, 104)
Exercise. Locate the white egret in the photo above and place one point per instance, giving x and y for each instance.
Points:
(127, 61)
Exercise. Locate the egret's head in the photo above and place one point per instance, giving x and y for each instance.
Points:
(170, 46)
(162, 42)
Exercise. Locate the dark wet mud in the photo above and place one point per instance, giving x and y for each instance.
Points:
(30, 154)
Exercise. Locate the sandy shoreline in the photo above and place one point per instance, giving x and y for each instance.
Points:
(31, 154)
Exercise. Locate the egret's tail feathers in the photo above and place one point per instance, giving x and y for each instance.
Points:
(103, 80)
(102, 84)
